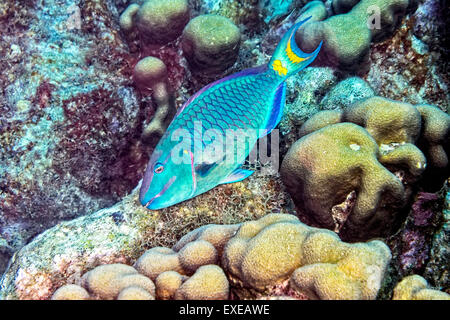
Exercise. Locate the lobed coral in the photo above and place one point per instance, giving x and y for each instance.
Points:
(416, 288)
(211, 43)
(347, 36)
(275, 255)
(110, 281)
(151, 73)
(158, 21)
(375, 156)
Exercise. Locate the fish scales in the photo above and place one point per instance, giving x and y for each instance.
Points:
(184, 166)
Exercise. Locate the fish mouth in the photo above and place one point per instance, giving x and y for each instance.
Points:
(159, 194)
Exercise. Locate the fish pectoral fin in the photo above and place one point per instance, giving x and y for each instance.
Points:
(237, 175)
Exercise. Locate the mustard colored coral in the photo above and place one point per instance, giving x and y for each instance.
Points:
(323, 168)
(327, 170)
(278, 247)
(416, 288)
(71, 292)
(211, 42)
(107, 282)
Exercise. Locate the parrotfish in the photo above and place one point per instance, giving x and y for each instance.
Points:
(185, 163)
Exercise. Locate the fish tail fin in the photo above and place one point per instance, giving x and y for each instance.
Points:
(288, 58)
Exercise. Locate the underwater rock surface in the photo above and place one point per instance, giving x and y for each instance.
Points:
(69, 114)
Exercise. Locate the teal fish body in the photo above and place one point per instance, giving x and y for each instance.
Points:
(214, 131)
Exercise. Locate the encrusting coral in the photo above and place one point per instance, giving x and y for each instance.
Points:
(158, 21)
(376, 133)
(210, 43)
(151, 73)
(275, 255)
(416, 288)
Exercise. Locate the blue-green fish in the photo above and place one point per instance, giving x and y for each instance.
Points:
(186, 163)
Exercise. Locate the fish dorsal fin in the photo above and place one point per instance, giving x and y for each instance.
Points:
(277, 108)
(236, 176)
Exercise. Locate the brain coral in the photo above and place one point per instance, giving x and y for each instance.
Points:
(210, 42)
(347, 36)
(363, 202)
(158, 21)
(416, 288)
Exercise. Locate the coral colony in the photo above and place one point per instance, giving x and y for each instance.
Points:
(224, 150)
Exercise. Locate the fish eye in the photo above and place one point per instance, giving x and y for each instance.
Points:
(158, 168)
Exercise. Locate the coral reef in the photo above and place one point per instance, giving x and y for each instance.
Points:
(121, 234)
(362, 160)
(275, 255)
(211, 43)
(416, 288)
(69, 115)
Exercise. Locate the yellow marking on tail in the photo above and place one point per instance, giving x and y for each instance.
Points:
(278, 66)
(291, 55)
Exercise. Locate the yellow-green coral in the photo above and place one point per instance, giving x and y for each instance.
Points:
(435, 137)
(110, 281)
(151, 73)
(416, 288)
(386, 120)
(167, 284)
(208, 283)
(211, 42)
(276, 255)
(158, 260)
(196, 254)
(321, 169)
(160, 21)
(347, 37)
(127, 17)
(71, 292)
(268, 251)
(135, 293)
(325, 165)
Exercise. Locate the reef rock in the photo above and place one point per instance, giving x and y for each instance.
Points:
(69, 115)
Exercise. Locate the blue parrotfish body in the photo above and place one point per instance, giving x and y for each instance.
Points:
(188, 159)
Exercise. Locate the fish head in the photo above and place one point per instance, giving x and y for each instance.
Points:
(166, 182)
